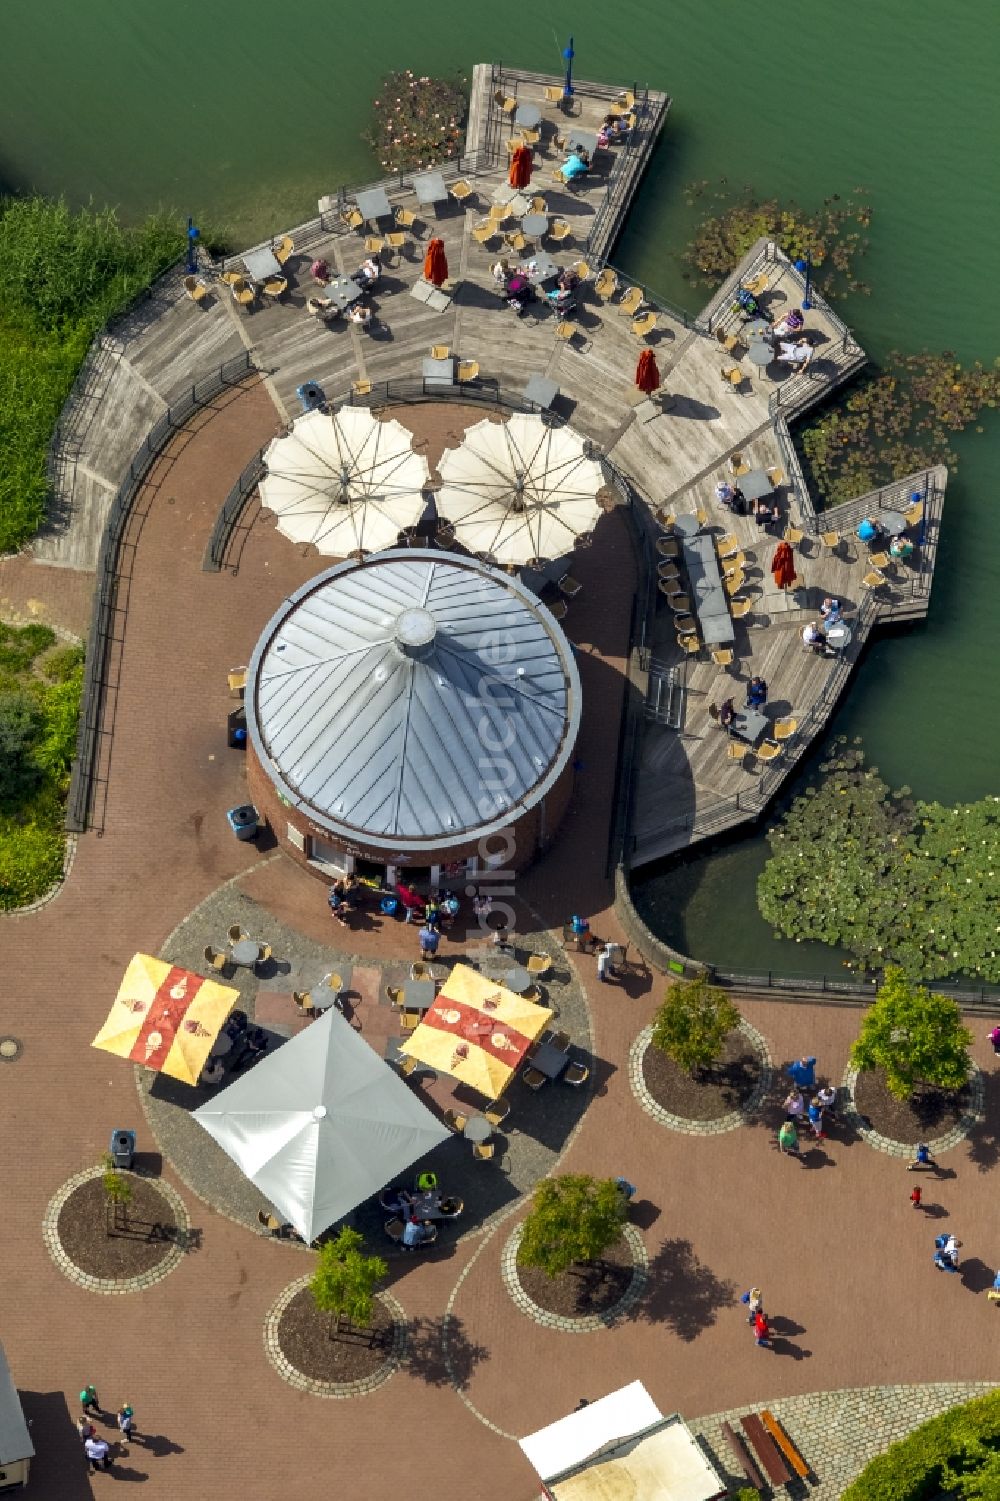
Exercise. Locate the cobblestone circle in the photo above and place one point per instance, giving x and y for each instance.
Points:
(683, 1123)
(973, 1117)
(589, 1323)
(50, 1234)
(840, 1432)
(339, 1390)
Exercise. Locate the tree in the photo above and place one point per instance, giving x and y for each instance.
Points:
(915, 1035)
(693, 1023)
(345, 1281)
(117, 1193)
(20, 731)
(572, 1218)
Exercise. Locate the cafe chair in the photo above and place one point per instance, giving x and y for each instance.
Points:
(553, 94)
(668, 570)
(264, 953)
(268, 1222)
(236, 934)
(758, 286)
(517, 240)
(461, 190)
(196, 290)
(558, 609)
(237, 678)
(631, 302)
(668, 547)
(679, 603)
(409, 1020)
(784, 729)
(776, 477)
(408, 1066)
(420, 971)
(727, 546)
(394, 1229)
(484, 232)
(684, 624)
(483, 1151)
(830, 540)
(374, 243)
(690, 644)
(569, 586)
(736, 750)
(538, 965)
(396, 241)
(276, 286)
(539, 206)
(732, 375)
(666, 586)
(734, 564)
(794, 535)
(455, 1120)
(303, 1000)
(740, 608)
(767, 751)
(566, 331)
(729, 342)
(875, 579)
(231, 277)
(394, 994)
(533, 1077)
(738, 465)
(406, 217)
(506, 103)
(733, 583)
(499, 212)
(560, 1041)
(879, 559)
(215, 958)
(497, 1113)
(352, 218)
(333, 981)
(284, 250)
(701, 516)
(361, 387)
(244, 292)
(722, 657)
(440, 352)
(576, 1074)
(915, 514)
(559, 230)
(581, 269)
(606, 284)
(468, 370)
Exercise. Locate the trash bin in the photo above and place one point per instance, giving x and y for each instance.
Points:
(122, 1148)
(311, 396)
(236, 729)
(243, 821)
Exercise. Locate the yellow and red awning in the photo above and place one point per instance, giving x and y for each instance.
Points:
(166, 1018)
(477, 1031)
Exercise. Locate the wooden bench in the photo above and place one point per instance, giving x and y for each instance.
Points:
(742, 1456)
(785, 1444)
(771, 1458)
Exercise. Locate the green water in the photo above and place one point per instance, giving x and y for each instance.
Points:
(244, 115)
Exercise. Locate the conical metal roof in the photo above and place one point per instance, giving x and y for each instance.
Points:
(413, 700)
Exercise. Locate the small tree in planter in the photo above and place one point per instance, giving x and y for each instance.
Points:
(693, 1023)
(573, 1219)
(915, 1035)
(117, 1196)
(345, 1282)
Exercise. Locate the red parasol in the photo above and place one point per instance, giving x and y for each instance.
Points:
(435, 264)
(647, 376)
(521, 164)
(783, 566)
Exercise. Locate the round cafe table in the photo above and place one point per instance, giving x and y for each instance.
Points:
(477, 1128)
(893, 523)
(321, 997)
(760, 353)
(517, 979)
(528, 115)
(535, 225)
(246, 951)
(838, 636)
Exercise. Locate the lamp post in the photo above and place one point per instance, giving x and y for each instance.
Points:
(192, 233)
(568, 55)
(804, 268)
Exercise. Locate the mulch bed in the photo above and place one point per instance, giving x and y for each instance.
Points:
(304, 1337)
(583, 1290)
(708, 1096)
(927, 1113)
(127, 1252)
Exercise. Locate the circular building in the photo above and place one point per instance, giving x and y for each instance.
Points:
(416, 710)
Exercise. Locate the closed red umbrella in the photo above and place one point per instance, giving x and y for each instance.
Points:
(647, 376)
(783, 566)
(435, 263)
(521, 164)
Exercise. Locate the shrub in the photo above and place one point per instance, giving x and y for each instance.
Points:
(20, 730)
(693, 1023)
(59, 666)
(915, 1035)
(345, 1281)
(32, 845)
(572, 1219)
(956, 1454)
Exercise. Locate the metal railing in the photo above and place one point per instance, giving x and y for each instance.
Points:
(858, 991)
(106, 603)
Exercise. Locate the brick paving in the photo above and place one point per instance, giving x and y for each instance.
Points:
(843, 1259)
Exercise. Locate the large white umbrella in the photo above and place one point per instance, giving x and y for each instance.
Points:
(347, 482)
(519, 489)
(321, 1124)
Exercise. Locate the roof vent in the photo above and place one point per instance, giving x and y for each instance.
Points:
(414, 632)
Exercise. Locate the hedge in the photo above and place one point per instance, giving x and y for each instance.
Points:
(957, 1453)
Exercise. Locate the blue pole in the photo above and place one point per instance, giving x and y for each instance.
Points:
(804, 268)
(568, 55)
(192, 233)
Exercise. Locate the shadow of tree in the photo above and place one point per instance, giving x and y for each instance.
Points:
(428, 1340)
(975, 1274)
(683, 1292)
(984, 1139)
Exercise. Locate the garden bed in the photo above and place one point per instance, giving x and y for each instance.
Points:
(138, 1245)
(708, 1096)
(926, 1114)
(305, 1341)
(585, 1290)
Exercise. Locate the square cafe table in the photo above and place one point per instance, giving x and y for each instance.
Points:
(373, 203)
(430, 189)
(541, 391)
(549, 1061)
(438, 372)
(581, 140)
(749, 725)
(755, 484)
(342, 291)
(418, 995)
(711, 604)
(262, 263)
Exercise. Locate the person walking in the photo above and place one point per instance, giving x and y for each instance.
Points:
(915, 1198)
(761, 1329)
(754, 1300)
(827, 1097)
(98, 1453)
(946, 1253)
(126, 1425)
(85, 1427)
(788, 1139)
(803, 1073)
(816, 1119)
(794, 1106)
(994, 1040)
(88, 1400)
(429, 940)
(922, 1159)
(604, 965)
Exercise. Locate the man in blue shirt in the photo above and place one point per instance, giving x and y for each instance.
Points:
(803, 1071)
(415, 1233)
(429, 940)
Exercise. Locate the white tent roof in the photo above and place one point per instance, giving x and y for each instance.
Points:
(321, 1124)
(622, 1446)
(347, 483)
(519, 489)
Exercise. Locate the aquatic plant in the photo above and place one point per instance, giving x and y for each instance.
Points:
(417, 121)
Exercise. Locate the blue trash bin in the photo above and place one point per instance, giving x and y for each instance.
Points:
(122, 1148)
(244, 821)
(311, 395)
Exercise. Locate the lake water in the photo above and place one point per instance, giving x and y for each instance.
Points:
(244, 117)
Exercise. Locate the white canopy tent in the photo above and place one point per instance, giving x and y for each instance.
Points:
(520, 489)
(621, 1446)
(321, 1125)
(347, 483)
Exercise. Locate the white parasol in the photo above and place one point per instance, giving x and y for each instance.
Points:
(347, 483)
(519, 490)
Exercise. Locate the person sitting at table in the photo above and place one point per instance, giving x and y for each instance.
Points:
(869, 530)
(321, 274)
(256, 1044)
(368, 273)
(732, 497)
(830, 611)
(359, 314)
(500, 272)
(765, 512)
(727, 713)
(798, 354)
(900, 547)
(792, 323)
(561, 299)
(337, 899)
(756, 693)
(417, 1233)
(815, 637)
(568, 280)
(577, 165)
(450, 1207)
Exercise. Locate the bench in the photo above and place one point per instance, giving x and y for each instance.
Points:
(771, 1458)
(742, 1456)
(785, 1444)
